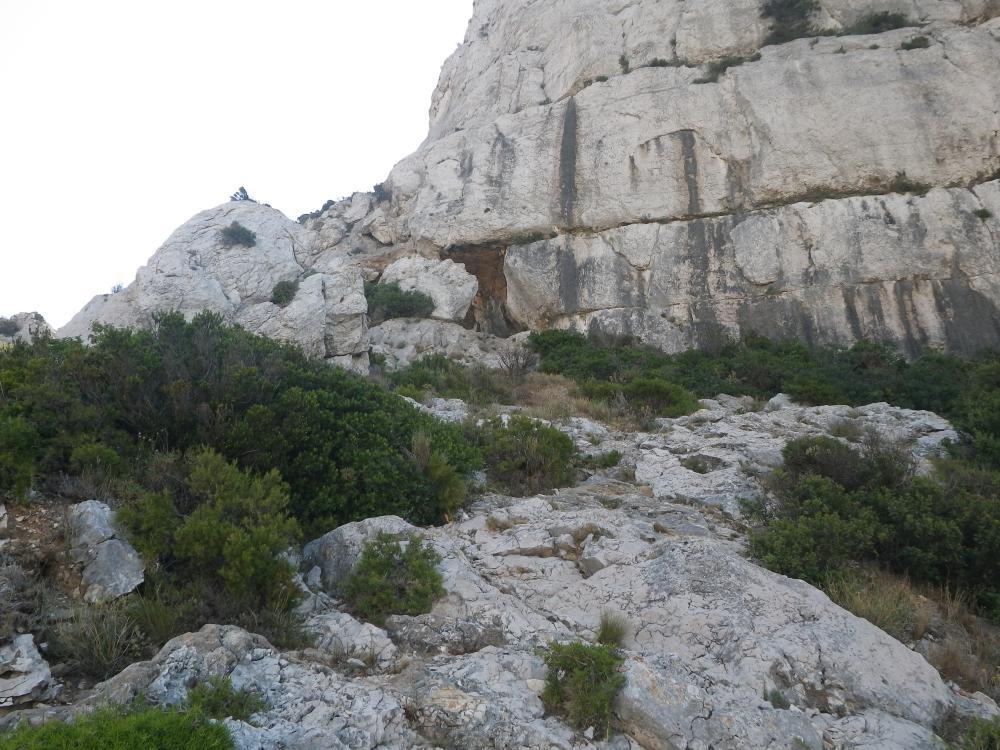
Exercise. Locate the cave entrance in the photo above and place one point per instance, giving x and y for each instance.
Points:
(488, 312)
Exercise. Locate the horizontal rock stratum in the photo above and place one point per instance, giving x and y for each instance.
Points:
(589, 166)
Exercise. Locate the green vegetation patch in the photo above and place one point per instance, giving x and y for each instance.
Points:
(237, 234)
(582, 683)
(284, 292)
(143, 728)
(526, 456)
(392, 577)
(387, 301)
(833, 505)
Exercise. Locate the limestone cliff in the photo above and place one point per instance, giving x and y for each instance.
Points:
(658, 169)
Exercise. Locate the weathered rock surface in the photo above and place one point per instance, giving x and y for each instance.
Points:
(586, 172)
(24, 674)
(24, 327)
(111, 566)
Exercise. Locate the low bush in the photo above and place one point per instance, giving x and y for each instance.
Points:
(225, 524)
(393, 578)
(876, 23)
(141, 728)
(8, 327)
(445, 378)
(652, 395)
(982, 213)
(832, 505)
(216, 698)
(387, 301)
(525, 456)
(284, 292)
(582, 683)
(237, 234)
(790, 19)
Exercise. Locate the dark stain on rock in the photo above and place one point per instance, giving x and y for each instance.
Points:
(851, 308)
(971, 320)
(567, 164)
(686, 139)
(569, 280)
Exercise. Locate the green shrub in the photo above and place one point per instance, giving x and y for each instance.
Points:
(901, 183)
(654, 395)
(95, 457)
(446, 378)
(230, 525)
(284, 292)
(142, 728)
(605, 460)
(582, 683)
(789, 19)
(982, 213)
(526, 456)
(8, 327)
(981, 735)
(17, 460)
(392, 578)
(917, 42)
(237, 234)
(386, 301)
(215, 698)
(831, 506)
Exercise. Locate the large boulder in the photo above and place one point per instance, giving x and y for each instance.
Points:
(111, 566)
(24, 327)
(447, 283)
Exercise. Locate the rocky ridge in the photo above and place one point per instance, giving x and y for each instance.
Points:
(585, 168)
(719, 653)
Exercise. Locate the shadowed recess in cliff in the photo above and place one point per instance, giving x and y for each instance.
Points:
(488, 311)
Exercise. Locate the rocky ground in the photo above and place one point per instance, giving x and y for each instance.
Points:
(720, 653)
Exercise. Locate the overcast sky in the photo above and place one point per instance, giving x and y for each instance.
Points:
(120, 120)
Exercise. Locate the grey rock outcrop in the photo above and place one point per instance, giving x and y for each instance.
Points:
(586, 167)
(111, 566)
(24, 327)
(24, 674)
(336, 553)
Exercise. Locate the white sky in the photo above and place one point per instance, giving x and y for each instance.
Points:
(121, 119)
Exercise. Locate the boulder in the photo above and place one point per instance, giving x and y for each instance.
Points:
(111, 566)
(24, 675)
(447, 283)
(337, 552)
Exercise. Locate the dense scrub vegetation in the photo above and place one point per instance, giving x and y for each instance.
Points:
(222, 450)
(119, 410)
(386, 301)
(968, 392)
(833, 505)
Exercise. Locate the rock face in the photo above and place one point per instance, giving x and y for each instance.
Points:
(111, 566)
(587, 166)
(23, 327)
